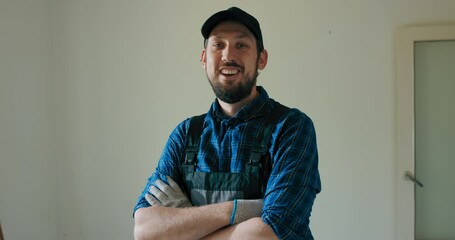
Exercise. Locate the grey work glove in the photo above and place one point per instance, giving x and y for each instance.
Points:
(245, 209)
(167, 195)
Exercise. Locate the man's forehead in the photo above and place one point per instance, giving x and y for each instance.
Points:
(231, 27)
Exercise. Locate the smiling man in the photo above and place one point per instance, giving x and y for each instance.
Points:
(248, 168)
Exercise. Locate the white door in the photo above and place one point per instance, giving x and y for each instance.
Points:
(426, 133)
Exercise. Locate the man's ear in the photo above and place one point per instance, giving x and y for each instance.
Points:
(204, 58)
(262, 61)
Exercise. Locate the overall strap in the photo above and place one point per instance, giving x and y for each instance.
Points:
(192, 144)
(265, 133)
(259, 163)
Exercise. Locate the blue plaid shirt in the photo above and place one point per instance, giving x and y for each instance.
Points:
(225, 147)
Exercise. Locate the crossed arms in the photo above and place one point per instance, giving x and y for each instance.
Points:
(206, 222)
(171, 217)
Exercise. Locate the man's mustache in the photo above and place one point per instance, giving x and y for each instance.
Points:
(232, 64)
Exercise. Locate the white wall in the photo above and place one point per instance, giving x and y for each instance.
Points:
(91, 89)
(27, 165)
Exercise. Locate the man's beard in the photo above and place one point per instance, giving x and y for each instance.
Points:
(236, 93)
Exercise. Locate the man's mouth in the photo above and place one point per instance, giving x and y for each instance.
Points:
(226, 71)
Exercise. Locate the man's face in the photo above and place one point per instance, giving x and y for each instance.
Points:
(231, 61)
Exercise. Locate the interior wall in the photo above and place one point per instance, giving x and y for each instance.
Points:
(27, 164)
(125, 73)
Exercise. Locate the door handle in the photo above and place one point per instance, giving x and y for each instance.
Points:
(409, 176)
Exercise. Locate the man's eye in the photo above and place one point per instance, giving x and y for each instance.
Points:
(217, 45)
(242, 45)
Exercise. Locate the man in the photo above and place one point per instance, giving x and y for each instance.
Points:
(218, 185)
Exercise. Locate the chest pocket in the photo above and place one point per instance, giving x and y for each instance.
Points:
(213, 187)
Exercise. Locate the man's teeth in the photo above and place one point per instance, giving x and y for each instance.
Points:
(229, 71)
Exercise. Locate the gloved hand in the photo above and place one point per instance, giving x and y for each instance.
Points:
(167, 195)
(245, 209)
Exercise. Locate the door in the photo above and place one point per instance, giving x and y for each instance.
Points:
(434, 80)
(426, 133)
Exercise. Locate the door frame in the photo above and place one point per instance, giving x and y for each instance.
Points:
(406, 38)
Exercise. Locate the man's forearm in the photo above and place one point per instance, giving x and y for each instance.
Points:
(253, 228)
(181, 223)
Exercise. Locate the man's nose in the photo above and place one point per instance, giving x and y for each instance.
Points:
(229, 54)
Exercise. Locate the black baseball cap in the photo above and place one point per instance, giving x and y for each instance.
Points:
(234, 14)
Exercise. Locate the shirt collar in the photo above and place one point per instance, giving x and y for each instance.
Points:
(253, 109)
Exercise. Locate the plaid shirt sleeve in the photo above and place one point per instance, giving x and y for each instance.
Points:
(294, 180)
(169, 163)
